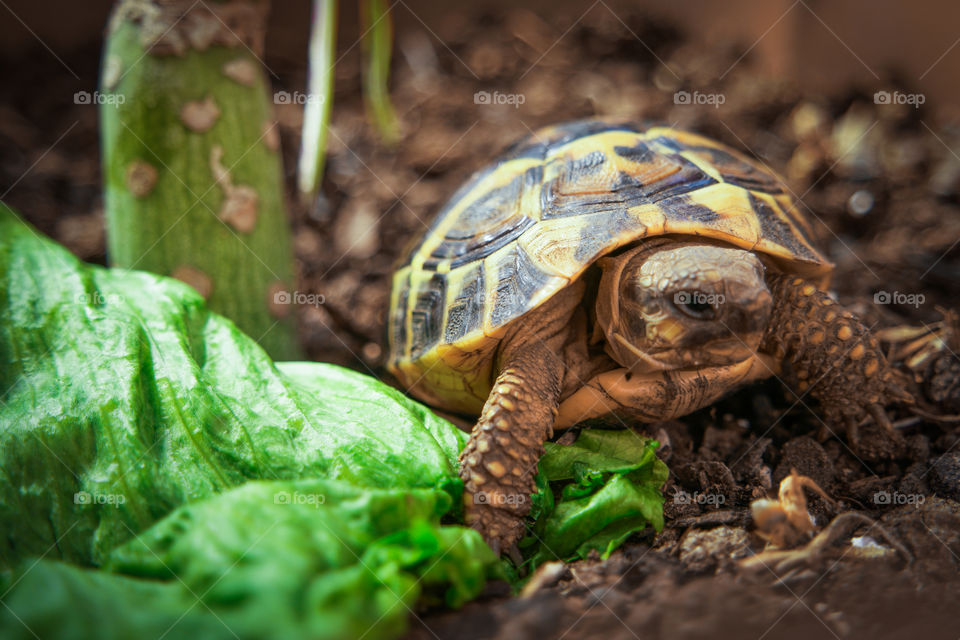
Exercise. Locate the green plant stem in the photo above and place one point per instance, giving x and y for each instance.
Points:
(316, 110)
(377, 44)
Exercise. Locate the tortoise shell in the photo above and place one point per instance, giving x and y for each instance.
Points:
(532, 222)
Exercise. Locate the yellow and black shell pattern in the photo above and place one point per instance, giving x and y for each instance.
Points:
(533, 221)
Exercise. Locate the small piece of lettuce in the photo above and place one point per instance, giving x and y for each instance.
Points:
(162, 477)
(607, 487)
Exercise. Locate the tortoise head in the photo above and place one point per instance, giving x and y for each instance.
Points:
(674, 304)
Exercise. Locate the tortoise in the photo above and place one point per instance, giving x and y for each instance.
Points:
(602, 267)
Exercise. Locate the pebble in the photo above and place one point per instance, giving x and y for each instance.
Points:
(860, 203)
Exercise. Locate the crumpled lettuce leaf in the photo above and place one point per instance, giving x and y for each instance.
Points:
(124, 397)
(162, 477)
(268, 559)
(594, 494)
(130, 410)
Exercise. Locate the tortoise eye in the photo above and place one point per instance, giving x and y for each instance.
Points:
(696, 304)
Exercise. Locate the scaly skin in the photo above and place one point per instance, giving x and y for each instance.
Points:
(499, 462)
(832, 355)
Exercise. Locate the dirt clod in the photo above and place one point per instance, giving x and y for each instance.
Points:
(945, 475)
(808, 457)
(701, 550)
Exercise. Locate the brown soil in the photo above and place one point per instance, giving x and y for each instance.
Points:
(881, 180)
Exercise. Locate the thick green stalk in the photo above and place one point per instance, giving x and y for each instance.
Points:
(191, 163)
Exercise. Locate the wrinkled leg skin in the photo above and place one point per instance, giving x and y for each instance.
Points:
(499, 462)
(836, 358)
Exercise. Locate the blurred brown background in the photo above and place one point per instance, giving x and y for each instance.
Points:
(820, 44)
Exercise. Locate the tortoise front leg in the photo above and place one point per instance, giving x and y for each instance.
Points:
(499, 462)
(832, 355)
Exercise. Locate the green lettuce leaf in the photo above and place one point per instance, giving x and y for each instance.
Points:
(145, 435)
(594, 494)
(283, 559)
(161, 476)
(124, 397)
